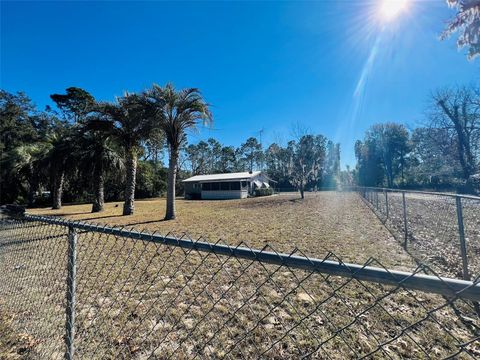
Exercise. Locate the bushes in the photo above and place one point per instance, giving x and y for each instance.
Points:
(151, 180)
(264, 192)
(473, 184)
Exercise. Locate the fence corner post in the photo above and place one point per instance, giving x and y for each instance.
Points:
(405, 226)
(70, 294)
(461, 236)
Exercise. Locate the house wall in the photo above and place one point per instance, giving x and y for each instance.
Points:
(244, 188)
(224, 194)
(193, 190)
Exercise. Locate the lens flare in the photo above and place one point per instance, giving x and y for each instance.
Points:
(391, 9)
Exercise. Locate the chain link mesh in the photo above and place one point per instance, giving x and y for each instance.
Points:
(143, 299)
(432, 224)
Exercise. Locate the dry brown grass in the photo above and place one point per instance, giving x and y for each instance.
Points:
(14, 345)
(137, 298)
(323, 222)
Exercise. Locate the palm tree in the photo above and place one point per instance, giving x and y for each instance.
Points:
(60, 160)
(128, 121)
(174, 112)
(25, 162)
(97, 154)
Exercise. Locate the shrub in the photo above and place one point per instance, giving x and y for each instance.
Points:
(264, 192)
(473, 184)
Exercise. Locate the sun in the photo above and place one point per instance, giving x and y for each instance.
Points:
(391, 9)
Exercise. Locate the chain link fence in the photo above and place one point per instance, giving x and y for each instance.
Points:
(77, 290)
(442, 230)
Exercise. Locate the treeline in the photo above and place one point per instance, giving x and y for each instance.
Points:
(86, 150)
(90, 150)
(310, 162)
(443, 154)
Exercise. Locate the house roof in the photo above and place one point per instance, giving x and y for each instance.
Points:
(223, 177)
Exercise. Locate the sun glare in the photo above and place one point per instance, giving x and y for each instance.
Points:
(391, 9)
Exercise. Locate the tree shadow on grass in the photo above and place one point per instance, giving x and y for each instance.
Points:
(145, 222)
(101, 217)
(68, 214)
(82, 213)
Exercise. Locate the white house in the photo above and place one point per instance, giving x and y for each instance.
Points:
(225, 186)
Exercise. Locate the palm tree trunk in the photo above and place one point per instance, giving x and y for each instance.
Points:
(172, 177)
(33, 187)
(98, 184)
(31, 197)
(58, 189)
(131, 167)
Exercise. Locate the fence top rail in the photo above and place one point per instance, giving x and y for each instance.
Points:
(444, 286)
(471, 197)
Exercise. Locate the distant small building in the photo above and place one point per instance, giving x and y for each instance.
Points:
(225, 186)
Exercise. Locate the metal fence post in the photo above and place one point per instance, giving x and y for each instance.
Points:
(71, 284)
(461, 235)
(405, 219)
(386, 204)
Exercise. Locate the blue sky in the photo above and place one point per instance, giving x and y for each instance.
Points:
(331, 66)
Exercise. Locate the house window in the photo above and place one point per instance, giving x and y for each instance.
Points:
(215, 186)
(224, 186)
(235, 186)
(206, 186)
(244, 184)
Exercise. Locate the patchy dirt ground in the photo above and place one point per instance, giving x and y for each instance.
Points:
(139, 300)
(14, 345)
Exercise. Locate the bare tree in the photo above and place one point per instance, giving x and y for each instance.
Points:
(298, 130)
(301, 162)
(457, 111)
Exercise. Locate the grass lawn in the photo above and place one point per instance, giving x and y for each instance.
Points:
(323, 222)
